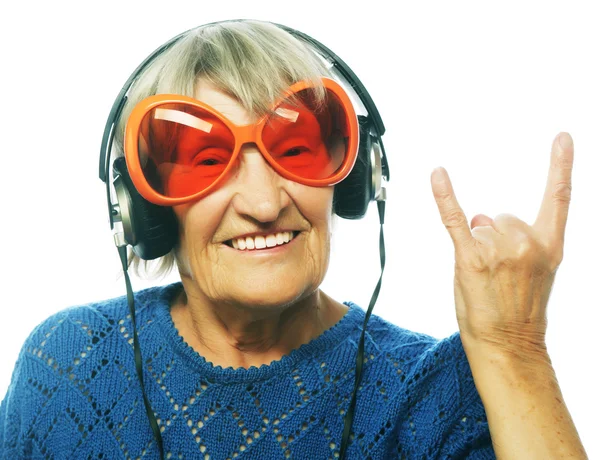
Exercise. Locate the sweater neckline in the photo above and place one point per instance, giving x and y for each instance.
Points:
(327, 341)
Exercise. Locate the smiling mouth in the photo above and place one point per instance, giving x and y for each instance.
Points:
(251, 243)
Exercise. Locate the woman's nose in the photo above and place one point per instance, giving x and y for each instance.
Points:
(259, 189)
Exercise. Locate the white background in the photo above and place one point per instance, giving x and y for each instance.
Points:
(480, 89)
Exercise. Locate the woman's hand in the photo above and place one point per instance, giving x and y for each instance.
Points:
(505, 268)
(503, 277)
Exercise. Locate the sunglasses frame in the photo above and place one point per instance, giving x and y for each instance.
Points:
(250, 133)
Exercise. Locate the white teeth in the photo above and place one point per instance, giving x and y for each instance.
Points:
(261, 242)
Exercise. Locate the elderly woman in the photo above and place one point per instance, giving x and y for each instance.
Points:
(236, 137)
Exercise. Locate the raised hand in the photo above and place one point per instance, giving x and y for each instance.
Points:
(504, 267)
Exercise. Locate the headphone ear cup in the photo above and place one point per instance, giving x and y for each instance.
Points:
(154, 228)
(352, 196)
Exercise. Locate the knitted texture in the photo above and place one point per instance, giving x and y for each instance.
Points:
(74, 393)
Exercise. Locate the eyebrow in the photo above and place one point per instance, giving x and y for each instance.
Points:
(183, 118)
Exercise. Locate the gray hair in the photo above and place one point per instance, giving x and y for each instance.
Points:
(252, 61)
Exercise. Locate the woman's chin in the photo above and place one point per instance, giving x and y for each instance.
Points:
(265, 295)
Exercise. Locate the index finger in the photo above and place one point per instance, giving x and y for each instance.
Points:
(452, 215)
(552, 217)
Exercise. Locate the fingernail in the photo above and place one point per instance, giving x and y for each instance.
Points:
(565, 140)
(438, 174)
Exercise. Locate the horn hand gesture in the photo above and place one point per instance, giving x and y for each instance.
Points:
(505, 268)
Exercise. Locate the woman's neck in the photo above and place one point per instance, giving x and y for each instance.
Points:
(229, 335)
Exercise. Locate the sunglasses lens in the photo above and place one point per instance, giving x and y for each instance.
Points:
(307, 138)
(183, 149)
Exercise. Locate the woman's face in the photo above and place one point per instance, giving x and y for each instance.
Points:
(254, 200)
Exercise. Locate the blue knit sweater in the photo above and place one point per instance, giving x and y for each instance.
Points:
(74, 393)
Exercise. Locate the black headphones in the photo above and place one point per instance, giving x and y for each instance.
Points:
(152, 230)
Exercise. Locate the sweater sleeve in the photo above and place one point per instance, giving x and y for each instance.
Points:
(30, 387)
(11, 409)
(468, 436)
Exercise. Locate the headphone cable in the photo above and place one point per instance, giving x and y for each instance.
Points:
(138, 354)
(361, 347)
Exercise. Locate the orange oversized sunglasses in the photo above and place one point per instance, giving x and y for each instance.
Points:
(179, 149)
